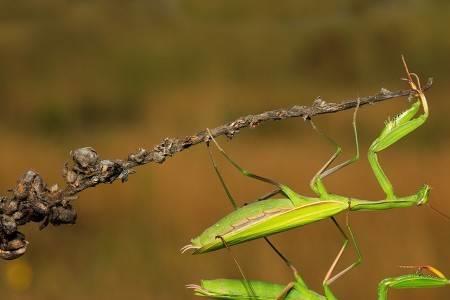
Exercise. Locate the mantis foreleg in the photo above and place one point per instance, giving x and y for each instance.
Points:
(395, 129)
(417, 280)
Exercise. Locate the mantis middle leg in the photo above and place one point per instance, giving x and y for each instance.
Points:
(330, 279)
(316, 183)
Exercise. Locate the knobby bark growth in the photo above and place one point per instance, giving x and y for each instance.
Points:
(32, 200)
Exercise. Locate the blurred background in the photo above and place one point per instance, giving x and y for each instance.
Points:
(118, 75)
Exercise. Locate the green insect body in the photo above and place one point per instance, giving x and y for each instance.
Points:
(271, 216)
(239, 289)
(262, 219)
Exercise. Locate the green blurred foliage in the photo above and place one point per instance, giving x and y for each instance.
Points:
(117, 75)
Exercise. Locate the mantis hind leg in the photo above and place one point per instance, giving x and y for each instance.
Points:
(247, 283)
(316, 183)
(227, 190)
(250, 291)
(297, 277)
(294, 197)
(395, 129)
(330, 279)
(222, 181)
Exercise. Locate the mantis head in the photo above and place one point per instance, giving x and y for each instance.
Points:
(414, 83)
(422, 195)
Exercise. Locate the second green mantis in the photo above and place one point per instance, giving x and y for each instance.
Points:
(298, 290)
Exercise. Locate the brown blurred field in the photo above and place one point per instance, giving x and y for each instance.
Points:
(118, 75)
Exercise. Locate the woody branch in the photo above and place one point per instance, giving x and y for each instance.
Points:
(32, 200)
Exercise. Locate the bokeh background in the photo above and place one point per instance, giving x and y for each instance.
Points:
(118, 75)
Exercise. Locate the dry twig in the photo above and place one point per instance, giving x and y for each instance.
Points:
(31, 200)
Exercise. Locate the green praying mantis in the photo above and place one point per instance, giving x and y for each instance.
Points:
(298, 290)
(273, 215)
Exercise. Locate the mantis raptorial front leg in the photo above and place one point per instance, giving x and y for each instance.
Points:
(397, 128)
(413, 281)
